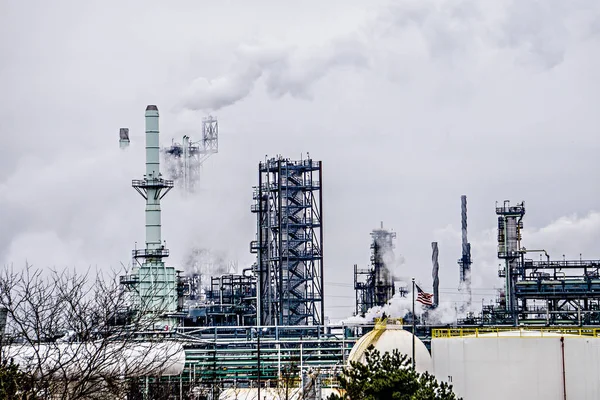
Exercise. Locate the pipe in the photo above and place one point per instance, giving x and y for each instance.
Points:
(564, 375)
(186, 162)
(414, 333)
(321, 272)
(524, 250)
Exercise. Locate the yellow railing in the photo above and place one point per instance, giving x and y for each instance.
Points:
(523, 332)
(381, 323)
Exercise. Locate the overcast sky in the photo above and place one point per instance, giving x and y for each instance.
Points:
(409, 104)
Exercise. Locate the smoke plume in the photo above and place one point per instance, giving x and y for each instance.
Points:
(286, 70)
(207, 263)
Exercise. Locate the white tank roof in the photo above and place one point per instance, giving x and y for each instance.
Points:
(390, 336)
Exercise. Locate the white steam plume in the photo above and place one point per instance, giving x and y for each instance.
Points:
(287, 70)
(393, 262)
(207, 263)
(531, 33)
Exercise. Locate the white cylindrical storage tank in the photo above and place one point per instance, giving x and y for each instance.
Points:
(128, 358)
(518, 364)
(387, 337)
(272, 394)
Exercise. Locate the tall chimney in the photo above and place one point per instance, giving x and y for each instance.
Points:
(154, 180)
(465, 260)
(155, 282)
(123, 138)
(152, 188)
(434, 274)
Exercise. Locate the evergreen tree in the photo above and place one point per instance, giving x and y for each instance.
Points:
(390, 376)
(11, 380)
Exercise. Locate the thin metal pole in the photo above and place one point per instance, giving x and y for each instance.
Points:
(258, 359)
(414, 332)
(279, 361)
(564, 378)
(321, 276)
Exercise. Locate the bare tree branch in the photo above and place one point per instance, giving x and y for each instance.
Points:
(78, 338)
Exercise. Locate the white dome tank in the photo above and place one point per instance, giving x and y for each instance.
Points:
(389, 335)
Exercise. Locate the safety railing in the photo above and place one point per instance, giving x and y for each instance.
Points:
(522, 332)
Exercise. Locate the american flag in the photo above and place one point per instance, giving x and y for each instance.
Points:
(424, 297)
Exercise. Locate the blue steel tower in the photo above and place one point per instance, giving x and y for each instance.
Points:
(289, 243)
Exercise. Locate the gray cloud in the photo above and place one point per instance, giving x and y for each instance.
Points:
(452, 30)
(412, 104)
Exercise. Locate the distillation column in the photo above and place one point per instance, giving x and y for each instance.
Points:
(510, 224)
(155, 283)
(382, 258)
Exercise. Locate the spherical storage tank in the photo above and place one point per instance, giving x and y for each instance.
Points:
(519, 363)
(390, 336)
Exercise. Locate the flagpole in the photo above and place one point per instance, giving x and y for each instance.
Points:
(414, 332)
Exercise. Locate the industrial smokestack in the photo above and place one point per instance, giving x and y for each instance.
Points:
(187, 184)
(124, 138)
(154, 179)
(434, 274)
(152, 188)
(153, 283)
(463, 220)
(465, 260)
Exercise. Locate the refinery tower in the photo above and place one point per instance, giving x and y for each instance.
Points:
(153, 283)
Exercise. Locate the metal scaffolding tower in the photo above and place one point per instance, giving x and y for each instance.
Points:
(184, 160)
(363, 289)
(152, 282)
(374, 286)
(465, 259)
(289, 245)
